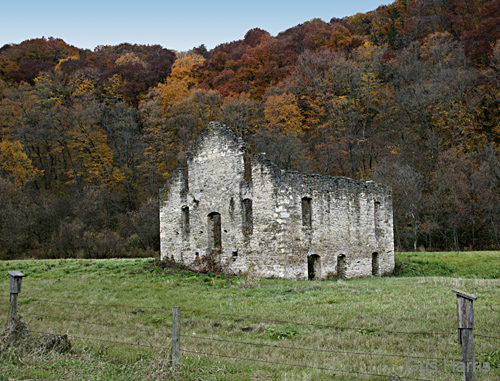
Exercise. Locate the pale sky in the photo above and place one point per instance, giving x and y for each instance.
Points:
(179, 25)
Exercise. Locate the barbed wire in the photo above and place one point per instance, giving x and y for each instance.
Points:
(318, 350)
(117, 342)
(489, 337)
(93, 304)
(300, 365)
(375, 330)
(239, 342)
(103, 340)
(243, 317)
(93, 323)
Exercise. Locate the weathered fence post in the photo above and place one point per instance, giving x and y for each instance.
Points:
(176, 336)
(465, 315)
(16, 279)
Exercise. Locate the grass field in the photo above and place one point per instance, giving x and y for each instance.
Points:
(473, 264)
(99, 303)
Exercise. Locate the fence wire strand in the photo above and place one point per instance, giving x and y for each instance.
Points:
(93, 304)
(488, 337)
(375, 330)
(318, 350)
(92, 323)
(103, 340)
(300, 365)
(243, 317)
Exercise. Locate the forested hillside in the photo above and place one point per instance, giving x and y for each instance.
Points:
(407, 95)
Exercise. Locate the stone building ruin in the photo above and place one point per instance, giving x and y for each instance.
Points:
(267, 222)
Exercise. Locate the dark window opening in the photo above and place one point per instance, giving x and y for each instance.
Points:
(341, 266)
(246, 205)
(377, 216)
(185, 168)
(306, 211)
(313, 267)
(185, 220)
(231, 207)
(247, 176)
(235, 255)
(197, 257)
(214, 231)
(375, 264)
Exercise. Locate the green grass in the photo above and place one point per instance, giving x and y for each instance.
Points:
(473, 264)
(131, 301)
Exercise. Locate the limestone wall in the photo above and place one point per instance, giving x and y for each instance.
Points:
(263, 228)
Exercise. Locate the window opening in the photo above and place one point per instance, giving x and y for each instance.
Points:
(231, 208)
(306, 211)
(214, 231)
(247, 164)
(247, 216)
(377, 216)
(185, 220)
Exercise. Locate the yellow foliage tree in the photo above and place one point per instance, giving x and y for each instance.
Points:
(181, 80)
(15, 164)
(95, 157)
(130, 59)
(282, 114)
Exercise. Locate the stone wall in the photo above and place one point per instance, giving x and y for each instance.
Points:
(272, 220)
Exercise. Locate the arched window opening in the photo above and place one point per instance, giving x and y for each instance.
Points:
(214, 231)
(185, 220)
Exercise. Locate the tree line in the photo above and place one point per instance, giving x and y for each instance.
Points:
(407, 95)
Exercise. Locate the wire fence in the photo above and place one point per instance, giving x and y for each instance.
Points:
(139, 327)
(247, 317)
(103, 340)
(93, 323)
(304, 366)
(335, 327)
(240, 318)
(192, 313)
(333, 370)
(319, 350)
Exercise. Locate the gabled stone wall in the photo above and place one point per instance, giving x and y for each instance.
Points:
(267, 222)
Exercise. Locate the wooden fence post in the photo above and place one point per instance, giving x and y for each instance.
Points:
(465, 315)
(16, 279)
(176, 336)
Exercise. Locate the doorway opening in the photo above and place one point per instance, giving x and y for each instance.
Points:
(341, 266)
(375, 264)
(214, 232)
(313, 267)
